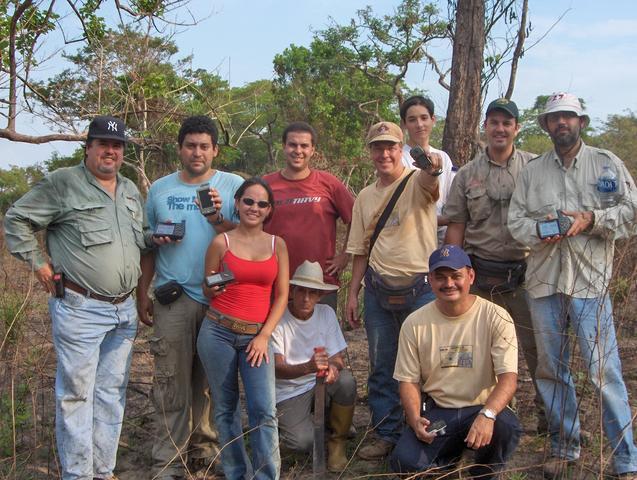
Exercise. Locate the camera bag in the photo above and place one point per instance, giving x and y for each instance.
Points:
(168, 292)
(498, 277)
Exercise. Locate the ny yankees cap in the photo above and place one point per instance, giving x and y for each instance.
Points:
(450, 256)
(109, 128)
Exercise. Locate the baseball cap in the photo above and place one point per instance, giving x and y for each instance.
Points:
(109, 128)
(562, 102)
(384, 132)
(505, 105)
(450, 256)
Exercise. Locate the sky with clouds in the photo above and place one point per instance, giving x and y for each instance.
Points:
(590, 52)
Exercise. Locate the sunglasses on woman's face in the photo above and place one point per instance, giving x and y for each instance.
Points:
(251, 201)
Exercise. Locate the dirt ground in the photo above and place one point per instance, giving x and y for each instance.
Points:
(27, 409)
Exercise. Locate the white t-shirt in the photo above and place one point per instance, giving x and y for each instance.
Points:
(295, 339)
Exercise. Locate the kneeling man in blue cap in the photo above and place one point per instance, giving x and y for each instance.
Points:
(457, 365)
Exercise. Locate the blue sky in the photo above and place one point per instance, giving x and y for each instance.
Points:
(590, 52)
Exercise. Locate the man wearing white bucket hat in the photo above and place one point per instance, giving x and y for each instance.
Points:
(569, 269)
(306, 325)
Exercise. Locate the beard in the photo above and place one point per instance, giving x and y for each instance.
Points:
(565, 139)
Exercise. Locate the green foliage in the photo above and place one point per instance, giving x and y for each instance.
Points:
(619, 135)
(15, 182)
(33, 23)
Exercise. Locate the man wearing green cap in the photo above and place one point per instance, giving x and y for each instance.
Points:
(477, 208)
(93, 218)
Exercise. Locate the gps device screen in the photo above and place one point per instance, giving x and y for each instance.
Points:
(165, 229)
(548, 228)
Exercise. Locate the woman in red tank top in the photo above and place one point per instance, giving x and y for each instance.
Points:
(235, 338)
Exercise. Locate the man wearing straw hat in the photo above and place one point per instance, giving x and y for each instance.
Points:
(306, 325)
(568, 275)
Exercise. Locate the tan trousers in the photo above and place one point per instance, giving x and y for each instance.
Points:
(183, 409)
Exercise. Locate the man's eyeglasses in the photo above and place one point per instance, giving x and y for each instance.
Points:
(251, 201)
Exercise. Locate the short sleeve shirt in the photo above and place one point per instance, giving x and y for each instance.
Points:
(479, 198)
(456, 359)
(295, 339)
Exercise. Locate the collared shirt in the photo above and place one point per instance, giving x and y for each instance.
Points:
(95, 239)
(579, 266)
(479, 198)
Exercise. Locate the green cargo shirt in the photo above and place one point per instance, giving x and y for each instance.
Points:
(479, 198)
(579, 266)
(93, 238)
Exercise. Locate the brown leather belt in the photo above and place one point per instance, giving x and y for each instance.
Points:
(234, 324)
(87, 293)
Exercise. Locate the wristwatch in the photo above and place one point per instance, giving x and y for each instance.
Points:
(490, 414)
(219, 219)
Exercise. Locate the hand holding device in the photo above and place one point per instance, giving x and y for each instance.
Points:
(206, 204)
(219, 279)
(422, 160)
(554, 226)
(437, 427)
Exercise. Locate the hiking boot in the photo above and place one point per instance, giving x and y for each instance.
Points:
(557, 468)
(376, 449)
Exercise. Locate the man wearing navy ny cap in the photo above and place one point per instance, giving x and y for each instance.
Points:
(93, 219)
(457, 362)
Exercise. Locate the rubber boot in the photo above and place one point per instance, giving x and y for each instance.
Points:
(340, 421)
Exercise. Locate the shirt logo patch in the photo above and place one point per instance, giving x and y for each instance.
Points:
(458, 356)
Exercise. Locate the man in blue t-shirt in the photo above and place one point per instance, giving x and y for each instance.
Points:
(183, 417)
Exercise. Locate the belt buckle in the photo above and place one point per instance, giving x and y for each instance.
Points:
(239, 326)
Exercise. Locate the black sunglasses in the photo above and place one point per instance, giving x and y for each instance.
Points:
(251, 201)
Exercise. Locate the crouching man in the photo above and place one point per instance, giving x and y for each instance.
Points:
(457, 362)
(303, 327)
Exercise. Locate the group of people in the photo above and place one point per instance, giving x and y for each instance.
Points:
(457, 267)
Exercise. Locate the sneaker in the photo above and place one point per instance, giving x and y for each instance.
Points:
(557, 467)
(376, 449)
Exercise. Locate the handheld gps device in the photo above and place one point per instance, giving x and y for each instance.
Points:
(553, 227)
(174, 231)
(422, 160)
(206, 204)
(437, 427)
(219, 279)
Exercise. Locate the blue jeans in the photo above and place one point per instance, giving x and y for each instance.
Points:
(383, 327)
(591, 321)
(94, 342)
(412, 455)
(223, 354)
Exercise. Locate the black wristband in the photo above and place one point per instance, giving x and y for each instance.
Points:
(219, 219)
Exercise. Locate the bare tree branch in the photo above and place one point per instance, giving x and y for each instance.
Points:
(519, 50)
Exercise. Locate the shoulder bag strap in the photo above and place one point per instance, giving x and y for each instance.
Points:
(387, 212)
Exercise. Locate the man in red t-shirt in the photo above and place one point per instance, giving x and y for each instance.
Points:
(308, 203)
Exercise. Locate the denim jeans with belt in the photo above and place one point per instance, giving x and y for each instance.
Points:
(93, 342)
(383, 327)
(591, 321)
(223, 354)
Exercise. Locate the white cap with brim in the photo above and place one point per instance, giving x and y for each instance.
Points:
(562, 102)
(310, 275)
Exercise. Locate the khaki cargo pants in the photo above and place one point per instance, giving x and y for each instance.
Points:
(183, 418)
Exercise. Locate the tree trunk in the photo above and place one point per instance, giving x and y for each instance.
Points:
(460, 137)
